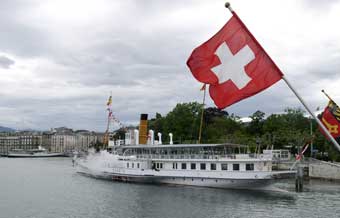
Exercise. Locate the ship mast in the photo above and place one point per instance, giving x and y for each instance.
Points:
(109, 118)
(201, 123)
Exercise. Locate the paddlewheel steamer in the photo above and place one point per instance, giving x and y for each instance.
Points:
(143, 159)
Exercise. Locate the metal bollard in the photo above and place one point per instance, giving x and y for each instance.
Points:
(299, 179)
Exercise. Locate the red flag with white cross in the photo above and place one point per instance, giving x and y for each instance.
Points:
(234, 64)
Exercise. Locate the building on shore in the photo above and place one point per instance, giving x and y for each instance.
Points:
(25, 140)
(61, 139)
(66, 140)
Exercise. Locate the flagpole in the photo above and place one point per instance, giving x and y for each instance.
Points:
(312, 114)
(201, 124)
(227, 5)
(323, 91)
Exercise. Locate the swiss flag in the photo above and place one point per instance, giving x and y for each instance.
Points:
(234, 64)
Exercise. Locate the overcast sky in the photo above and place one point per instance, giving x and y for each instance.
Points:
(60, 59)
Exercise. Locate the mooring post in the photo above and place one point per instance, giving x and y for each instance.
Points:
(299, 179)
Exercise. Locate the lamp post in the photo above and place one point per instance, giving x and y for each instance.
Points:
(311, 134)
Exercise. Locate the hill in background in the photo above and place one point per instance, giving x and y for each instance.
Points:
(6, 129)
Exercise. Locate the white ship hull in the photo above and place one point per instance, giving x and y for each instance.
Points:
(34, 155)
(252, 184)
(228, 180)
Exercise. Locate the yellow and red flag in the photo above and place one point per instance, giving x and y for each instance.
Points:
(109, 101)
(331, 119)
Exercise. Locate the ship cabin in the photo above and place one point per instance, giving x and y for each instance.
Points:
(206, 157)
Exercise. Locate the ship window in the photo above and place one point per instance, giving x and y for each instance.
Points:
(161, 165)
(157, 165)
(184, 166)
(133, 165)
(213, 166)
(224, 166)
(174, 165)
(236, 167)
(250, 167)
(202, 166)
(193, 166)
(127, 165)
(137, 165)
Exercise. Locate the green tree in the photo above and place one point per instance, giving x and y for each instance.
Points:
(255, 127)
(291, 128)
(220, 129)
(182, 122)
(288, 129)
(157, 123)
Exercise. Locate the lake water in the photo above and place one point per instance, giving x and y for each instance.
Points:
(50, 188)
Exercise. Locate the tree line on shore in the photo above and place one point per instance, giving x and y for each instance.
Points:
(289, 130)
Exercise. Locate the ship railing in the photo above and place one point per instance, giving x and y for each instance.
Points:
(196, 156)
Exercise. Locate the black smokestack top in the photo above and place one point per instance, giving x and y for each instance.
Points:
(144, 117)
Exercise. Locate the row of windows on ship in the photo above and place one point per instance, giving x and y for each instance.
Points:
(196, 166)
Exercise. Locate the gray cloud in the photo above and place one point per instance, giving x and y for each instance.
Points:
(68, 59)
(6, 62)
(320, 5)
(18, 35)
